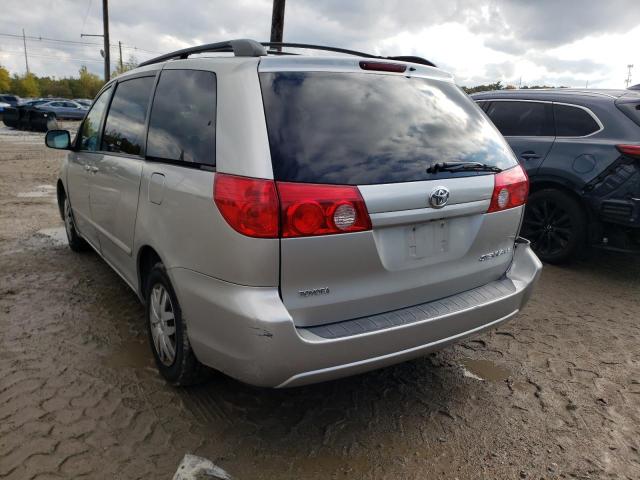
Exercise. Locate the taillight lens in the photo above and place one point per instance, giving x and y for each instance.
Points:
(309, 209)
(629, 150)
(510, 190)
(249, 205)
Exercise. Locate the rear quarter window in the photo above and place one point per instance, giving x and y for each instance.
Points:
(183, 117)
(573, 121)
(360, 128)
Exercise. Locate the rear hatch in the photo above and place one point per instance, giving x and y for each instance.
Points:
(378, 133)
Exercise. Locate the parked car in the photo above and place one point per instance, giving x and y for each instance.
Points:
(12, 100)
(293, 219)
(3, 105)
(581, 150)
(635, 87)
(64, 109)
(85, 102)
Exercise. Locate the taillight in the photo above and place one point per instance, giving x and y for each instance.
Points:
(629, 150)
(383, 66)
(510, 190)
(249, 205)
(309, 209)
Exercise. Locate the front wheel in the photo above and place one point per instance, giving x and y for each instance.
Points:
(555, 223)
(170, 345)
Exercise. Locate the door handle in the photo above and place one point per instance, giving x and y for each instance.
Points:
(529, 155)
(87, 168)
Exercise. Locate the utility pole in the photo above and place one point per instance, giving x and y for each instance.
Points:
(628, 80)
(24, 42)
(120, 48)
(105, 31)
(277, 21)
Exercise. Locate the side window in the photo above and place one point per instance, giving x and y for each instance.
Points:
(124, 128)
(522, 119)
(573, 121)
(90, 132)
(183, 117)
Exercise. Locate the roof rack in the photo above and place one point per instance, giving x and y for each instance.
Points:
(250, 48)
(240, 48)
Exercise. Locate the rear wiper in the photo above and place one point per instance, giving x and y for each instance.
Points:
(462, 167)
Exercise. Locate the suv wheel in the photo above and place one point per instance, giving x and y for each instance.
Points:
(168, 333)
(556, 225)
(76, 242)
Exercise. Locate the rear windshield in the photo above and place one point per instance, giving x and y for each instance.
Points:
(358, 129)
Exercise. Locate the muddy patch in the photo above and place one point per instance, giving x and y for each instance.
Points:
(484, 370)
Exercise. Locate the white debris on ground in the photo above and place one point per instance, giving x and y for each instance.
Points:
(58, 235)
(39, 191)
(193, 467)
(469, 374)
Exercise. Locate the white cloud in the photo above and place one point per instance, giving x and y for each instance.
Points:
(542, 42)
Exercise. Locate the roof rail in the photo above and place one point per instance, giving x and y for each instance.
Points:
(412, 59)
(241, 48)
(251, 48)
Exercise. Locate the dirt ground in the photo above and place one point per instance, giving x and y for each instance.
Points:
(553, 394)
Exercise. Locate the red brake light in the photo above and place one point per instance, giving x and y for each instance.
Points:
(510, 190)
(249, 205)
(310, 209)
(629, 150)
(383, 67)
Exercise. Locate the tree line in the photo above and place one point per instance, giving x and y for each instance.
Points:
(29, 85)
(87, 84)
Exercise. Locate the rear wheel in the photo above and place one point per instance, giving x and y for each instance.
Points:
(556, 225)
(76, 242)
(168, 333)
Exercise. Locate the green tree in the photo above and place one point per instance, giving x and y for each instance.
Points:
(25, 85)
(5, 80)
(88, 85)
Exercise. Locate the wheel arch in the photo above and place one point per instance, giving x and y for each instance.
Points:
(562, 185)
(61, 194)
(147, 258)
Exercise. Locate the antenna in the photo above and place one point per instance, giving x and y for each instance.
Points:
(628, 80)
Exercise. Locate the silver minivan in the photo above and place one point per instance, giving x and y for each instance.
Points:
(290, 219)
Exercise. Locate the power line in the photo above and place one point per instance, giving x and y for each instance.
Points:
(53, 57)
(74, 42)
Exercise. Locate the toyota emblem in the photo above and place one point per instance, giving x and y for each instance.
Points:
(439, 197)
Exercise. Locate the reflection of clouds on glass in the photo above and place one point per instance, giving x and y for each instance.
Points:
(125, 122)
(363, 128)
(182, 125)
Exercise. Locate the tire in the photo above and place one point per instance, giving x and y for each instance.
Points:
(556, 224)
(167, 331)
(76, 242)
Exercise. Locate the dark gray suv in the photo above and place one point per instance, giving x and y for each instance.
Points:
(581, 150)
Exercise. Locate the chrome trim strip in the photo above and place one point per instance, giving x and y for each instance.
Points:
(586, 109)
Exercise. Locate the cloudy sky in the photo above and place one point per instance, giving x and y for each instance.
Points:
(553, 42)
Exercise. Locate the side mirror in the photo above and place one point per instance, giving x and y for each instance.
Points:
(60, 139)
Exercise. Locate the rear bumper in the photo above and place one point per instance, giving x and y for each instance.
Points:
(247, 333)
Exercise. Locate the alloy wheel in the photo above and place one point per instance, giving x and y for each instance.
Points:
(163, 324)
(548, 226)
